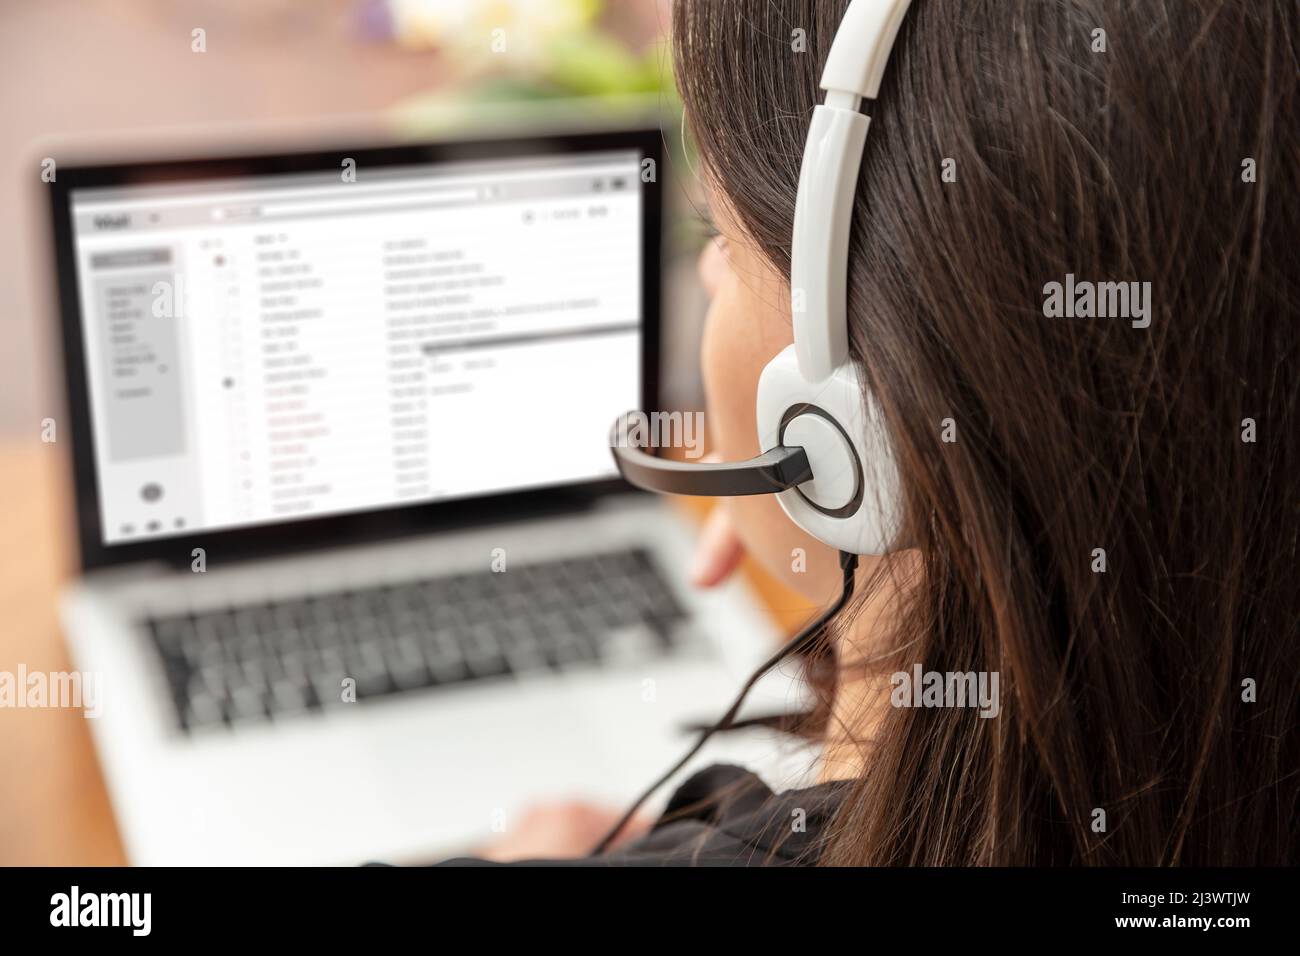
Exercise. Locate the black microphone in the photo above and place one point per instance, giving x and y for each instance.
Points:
(775, 470)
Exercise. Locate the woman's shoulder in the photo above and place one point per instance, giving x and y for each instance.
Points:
(725, 815)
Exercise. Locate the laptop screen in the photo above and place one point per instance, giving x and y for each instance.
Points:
(272, 348)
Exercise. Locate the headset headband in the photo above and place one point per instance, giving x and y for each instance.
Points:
(828, 181)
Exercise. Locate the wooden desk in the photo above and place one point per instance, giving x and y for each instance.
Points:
(54, 809)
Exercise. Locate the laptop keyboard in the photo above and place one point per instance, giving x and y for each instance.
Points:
(254, 662)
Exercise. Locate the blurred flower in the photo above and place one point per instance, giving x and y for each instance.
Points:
(550, 58)
(520, 32)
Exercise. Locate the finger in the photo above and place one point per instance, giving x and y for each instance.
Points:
(718, 551)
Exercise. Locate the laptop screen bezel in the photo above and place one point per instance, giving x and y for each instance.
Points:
(306, 534)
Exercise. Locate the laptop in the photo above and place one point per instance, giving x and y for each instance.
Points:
(358, 580)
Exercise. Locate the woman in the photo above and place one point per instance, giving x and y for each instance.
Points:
(1101, 508)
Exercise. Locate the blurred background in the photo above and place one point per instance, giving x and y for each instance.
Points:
(98, 73)
(105, 75)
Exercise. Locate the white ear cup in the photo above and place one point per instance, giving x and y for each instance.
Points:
(837, 483)
(852, 502)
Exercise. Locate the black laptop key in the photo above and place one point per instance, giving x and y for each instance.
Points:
(288, 697)
(405, 664)
(444, 658)
(570, 650)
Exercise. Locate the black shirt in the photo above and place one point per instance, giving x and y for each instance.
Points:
(722, 816)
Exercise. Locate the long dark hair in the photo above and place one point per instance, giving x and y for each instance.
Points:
(1114, 528)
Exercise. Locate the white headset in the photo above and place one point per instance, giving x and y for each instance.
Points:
(827, 455)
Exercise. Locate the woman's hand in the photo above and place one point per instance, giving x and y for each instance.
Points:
(560, 831)
(718, 552)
